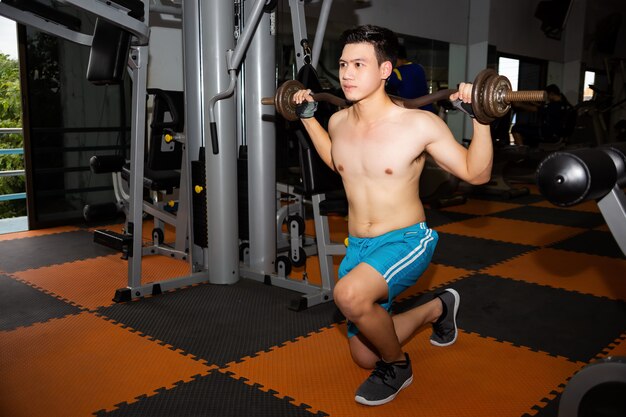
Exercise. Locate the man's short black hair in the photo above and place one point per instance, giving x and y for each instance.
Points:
(553, 89)
(402, 52)
(384, 41)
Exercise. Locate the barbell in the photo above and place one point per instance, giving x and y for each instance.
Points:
(492, 96)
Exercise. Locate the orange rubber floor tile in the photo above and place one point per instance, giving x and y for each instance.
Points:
(87, 363)
(533, 188)
(33, 233)
(588, 206)
(500, 379)
(603, 228)
(312, 269)
(589, 274)
(481, 207)
(338, 227)
(509, 230)
(92, 283)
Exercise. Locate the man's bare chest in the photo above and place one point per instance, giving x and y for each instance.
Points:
(373, 157)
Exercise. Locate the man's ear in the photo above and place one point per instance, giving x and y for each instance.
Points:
(385, 69)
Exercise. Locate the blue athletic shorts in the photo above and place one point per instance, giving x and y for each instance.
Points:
(400, 256)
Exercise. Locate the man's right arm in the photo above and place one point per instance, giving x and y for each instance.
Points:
(319, 136)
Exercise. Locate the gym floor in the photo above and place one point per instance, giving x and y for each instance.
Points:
(542, 294)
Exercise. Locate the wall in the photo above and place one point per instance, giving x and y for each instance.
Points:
(514, 29)
(602, 28)
(165, 69)
(444, 21)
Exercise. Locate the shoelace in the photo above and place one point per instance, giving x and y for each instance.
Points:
(383, 370)
(439, 329)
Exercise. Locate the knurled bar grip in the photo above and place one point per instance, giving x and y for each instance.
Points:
(515, 96)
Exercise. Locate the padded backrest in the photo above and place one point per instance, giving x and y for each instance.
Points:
(108, 55)
(167, 114)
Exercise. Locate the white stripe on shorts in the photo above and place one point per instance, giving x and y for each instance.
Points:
(410, 258)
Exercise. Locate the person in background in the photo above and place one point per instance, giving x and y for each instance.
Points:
(554, 122)
(408, 79)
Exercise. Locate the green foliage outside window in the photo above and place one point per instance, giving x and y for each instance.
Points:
(11, 117)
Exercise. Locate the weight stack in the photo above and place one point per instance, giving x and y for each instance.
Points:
(198, 201)
(242, 193)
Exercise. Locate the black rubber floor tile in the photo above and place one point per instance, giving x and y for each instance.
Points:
(216, 395)
(474, 253)
(524, 199)
(550, 407)
(38, 251)
(22, 305)
(553, 216)
(436, 218)
(601, 400)
(594, 242)
(560, 322)
(220, 323)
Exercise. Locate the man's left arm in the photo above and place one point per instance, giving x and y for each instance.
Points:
(480, 154)
(473, 164)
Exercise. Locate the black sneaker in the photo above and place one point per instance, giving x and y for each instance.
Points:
(385, 382)
(444, 329)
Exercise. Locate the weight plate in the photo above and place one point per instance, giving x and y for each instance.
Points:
(283, 100)
(478, 96)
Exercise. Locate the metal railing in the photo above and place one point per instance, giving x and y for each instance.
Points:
(12, 173)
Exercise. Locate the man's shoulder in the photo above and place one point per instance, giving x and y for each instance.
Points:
(417, 115)
(338, 117)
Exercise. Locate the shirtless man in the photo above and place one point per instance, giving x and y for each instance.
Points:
(379, 149)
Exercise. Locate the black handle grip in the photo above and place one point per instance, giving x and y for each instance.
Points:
(214, 142)
(464, 107)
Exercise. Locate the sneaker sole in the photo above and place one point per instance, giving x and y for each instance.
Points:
(365, 401)
(457, 302)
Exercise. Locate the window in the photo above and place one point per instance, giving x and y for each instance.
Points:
(509, 67)
(590, 79)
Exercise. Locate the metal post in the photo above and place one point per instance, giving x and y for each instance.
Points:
(194, 109)
(320, 31)
(216, 23)
(298, 23)
(139, 64)
(261, 140)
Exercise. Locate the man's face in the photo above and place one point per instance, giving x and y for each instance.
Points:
(359, 72)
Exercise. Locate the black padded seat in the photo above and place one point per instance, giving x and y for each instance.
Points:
(156, 180)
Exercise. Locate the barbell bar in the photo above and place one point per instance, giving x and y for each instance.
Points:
(492, 96)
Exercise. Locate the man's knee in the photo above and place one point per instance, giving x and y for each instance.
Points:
(348, 299)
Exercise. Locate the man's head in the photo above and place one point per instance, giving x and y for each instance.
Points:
(554, 93)
(402, 56)
(384, 41)
(366, 61)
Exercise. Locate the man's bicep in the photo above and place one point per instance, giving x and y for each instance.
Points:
(447, 152)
